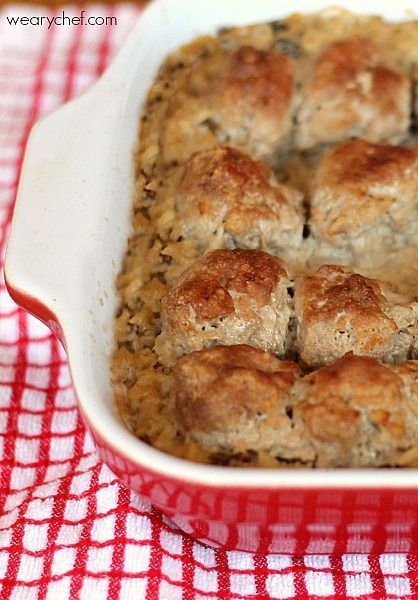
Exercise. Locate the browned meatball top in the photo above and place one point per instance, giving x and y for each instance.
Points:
(233, 398)
(255, 98)
(358, 412)
(243, 97)
(226, 297)
(228, 199)
(364, 199)
(339, 311)
(353, 90)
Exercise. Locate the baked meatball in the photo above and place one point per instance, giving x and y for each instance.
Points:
(364, 200)
(226, 199)
(227, 297)
(233, 400)
(339, 311)
(244, 97)
(353, 91)
(358, 412)
(255, 100)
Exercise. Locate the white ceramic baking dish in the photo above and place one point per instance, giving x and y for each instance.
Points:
(69, 233)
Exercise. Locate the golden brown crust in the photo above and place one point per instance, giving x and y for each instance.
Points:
(252, 273)
(355, 412)
(339, 64)
(256, 93)
(228, 199)
(234, 398)
(365, 196)
(353, 91)
(243, 97)
(360, 164)
(334, 289)
(215, 387)
(340, 311)
(226, 297)
(262, 79)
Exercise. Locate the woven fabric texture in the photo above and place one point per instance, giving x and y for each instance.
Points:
(68, 528)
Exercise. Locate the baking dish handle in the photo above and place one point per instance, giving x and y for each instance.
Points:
(62, 169)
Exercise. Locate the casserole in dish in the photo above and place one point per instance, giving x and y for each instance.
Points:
(243, 206)
(82, 183)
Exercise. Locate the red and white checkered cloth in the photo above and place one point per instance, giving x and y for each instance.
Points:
(68, 528)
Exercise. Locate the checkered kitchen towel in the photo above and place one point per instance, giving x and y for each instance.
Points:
(68, 528)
